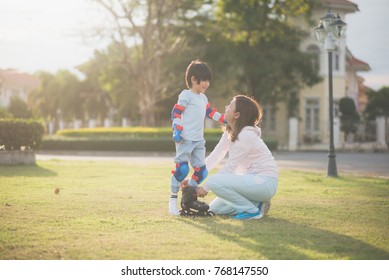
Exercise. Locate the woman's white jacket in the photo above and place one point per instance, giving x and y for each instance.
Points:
(247, 155)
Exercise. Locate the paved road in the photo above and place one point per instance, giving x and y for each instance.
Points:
(365, 164)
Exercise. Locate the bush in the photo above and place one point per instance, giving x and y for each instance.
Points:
(132, 145)
(17, 133)
(132, 139)
(129, 132)
(129, 145)
(349, 116)
(4, 113)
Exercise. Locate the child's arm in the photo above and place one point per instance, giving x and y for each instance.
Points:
(214, 115)
(177, 111)
(176, 125)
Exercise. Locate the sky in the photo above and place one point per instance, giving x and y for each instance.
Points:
(368, 39)
(51, 34)
(46, 34)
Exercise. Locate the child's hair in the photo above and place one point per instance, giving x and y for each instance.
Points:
(250, 114)
(200, 70)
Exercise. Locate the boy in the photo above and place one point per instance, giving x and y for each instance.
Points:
(188, 117)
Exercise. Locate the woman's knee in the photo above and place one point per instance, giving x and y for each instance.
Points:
(219, 207)
(213, 182)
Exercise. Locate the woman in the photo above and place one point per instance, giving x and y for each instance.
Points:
(249, 178)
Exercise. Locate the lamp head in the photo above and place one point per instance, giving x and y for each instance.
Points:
(320, 33)
(338, 27)
(328, 19)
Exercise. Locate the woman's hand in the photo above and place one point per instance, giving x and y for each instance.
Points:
(184, 183)
(201, 192)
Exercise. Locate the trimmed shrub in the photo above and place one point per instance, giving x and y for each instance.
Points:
(17, 133)
(349, 115)
(129, 145)
(150, 144)
(129, 132)
(132, 139)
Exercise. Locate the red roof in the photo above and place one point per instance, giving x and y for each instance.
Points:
(358, 64)
(341, 4)
(355, 63)
(14, 77)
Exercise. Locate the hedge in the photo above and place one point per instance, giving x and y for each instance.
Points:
(129, 132)
(17, 133)
(153, 139)
(132, 145)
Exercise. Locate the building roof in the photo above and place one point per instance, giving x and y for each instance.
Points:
(355, 63)
(12, 77)
(345, 5)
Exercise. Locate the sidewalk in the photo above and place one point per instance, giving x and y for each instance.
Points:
(364, 164)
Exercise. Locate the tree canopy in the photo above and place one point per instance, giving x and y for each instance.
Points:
(252, 46)
(378, 104)
(264, 45)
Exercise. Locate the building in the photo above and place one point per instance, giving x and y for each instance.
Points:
(354, 83)
(15, 84)
(310, 129)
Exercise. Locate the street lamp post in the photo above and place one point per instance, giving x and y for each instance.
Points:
(330, 28)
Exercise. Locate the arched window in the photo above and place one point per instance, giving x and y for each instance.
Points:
(314, 51)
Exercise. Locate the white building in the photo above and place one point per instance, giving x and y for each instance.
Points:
(15, 84)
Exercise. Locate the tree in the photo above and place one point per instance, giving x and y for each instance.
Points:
(44, 100)
(147, 33)
(349, 116)
(253, 46)
(4, 113)
(96, 101)
(19, 109)
(58, 96)
(107, 78)
(71, 103)
(262, 45)
(378, 103)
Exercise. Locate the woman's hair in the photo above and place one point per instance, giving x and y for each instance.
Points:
(200, 70)
(250, 114)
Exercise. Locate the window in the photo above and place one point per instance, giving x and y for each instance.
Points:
(312, 116)
(269, 118)
(314, 51)
(312, 121)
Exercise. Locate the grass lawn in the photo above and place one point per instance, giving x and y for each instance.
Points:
(118, 210)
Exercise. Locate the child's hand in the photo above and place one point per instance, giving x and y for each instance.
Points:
(177, 130)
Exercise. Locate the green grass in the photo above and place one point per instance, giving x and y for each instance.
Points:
(118, 210)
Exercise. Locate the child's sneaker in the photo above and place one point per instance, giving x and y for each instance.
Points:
(248, 216)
